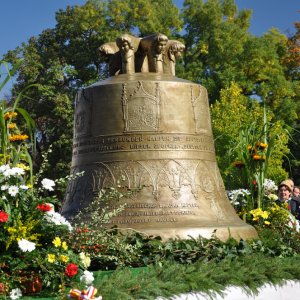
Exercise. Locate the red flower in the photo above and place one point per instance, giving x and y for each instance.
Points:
(3, 216)
(44, 207)
(239, 164)
(71, 270)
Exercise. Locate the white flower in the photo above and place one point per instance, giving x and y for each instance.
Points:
(48, 184)
(15, 294)
(269, 186)
(238, 196)
(26, 246)
(293, 222)
(87, 278)
(4, 168)
(8, 173)
(57, 219)
(17, 171)
(4, 187)
(13, 190)
(24, 187)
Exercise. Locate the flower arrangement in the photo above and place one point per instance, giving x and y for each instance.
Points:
(34, 253)
(33, 236)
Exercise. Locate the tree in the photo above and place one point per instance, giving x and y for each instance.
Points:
(64, 59)
(291, 62)
(221, 50)
(215, 37)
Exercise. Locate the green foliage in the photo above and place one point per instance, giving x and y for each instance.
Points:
(179, 266)
(238, 123)
(110, 249)
(249, 273)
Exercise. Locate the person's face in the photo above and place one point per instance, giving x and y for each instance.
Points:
(160, 47)
(284, 193)
(296, 192)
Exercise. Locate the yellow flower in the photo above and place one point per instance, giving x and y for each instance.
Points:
(64, 246)
(265, 214)
(12, 125)
(51, 258)
(11, 230)
(24, 167)
(56, 242)
(256, 211)
(64, 258)
(18, 137)
(267, 223)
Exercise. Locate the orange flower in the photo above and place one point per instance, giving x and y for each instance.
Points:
(10, 115)
(258, 157)
(18, 137)
(251, 149)
(261, 146)
(12, 125)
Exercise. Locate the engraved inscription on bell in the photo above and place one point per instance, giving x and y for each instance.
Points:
(153, 130)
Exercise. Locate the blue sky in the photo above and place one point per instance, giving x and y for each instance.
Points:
(21, 19)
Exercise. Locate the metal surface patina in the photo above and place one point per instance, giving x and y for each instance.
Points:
(152, 129)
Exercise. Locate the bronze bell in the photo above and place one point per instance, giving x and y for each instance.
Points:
(152, 130)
